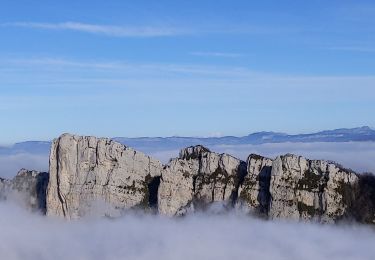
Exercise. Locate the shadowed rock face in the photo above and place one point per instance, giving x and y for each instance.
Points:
(28, 188)
(4, 186)
(363, 208)
(197, 178)
(254, 192)
(98, 176)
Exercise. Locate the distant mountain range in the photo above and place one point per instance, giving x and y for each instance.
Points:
(360, 134)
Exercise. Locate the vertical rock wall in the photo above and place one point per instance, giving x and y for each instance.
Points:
(97, 176)
(254, 192)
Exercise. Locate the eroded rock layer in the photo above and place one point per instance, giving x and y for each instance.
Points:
(198, 178)
(98, 176)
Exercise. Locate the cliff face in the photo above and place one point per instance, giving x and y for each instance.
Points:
(304, 189)
(293, 187)
(28, 188)
(254, 192)
(98, 176)
(197, 178)
(91, 175)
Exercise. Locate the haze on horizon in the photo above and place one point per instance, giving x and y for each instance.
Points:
(196, 68)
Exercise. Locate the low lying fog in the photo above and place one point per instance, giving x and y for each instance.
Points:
(359, 156)
(231, 236)
(11, 164)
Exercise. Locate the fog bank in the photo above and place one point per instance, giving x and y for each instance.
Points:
(227, 236)
(11, 164)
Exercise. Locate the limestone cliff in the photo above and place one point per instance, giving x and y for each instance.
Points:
(98, 176)
(293, 187)
(310, 189)
(197, 178)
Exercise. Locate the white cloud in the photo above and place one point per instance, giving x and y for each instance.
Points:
(217, 54)
(140, 237)
(48, 63)
(109, 30)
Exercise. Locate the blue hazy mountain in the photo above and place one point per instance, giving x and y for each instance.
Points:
(360, 134)
(37, 147)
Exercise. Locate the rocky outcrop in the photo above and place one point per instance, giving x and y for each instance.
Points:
(310, 189)
(197, 178)
(98, 176)
(293, 187)
(28, 188)
(254, 192)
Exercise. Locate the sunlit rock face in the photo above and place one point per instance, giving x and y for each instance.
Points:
(293, 187)
(97, 176)
(254, 192)
(90, 175)
(197, 178)
(27, 188)
(304, 189)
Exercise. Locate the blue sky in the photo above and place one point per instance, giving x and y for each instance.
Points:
(196, 68)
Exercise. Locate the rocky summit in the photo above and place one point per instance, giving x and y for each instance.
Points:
(98, 176)
(197, 178)
(293, 187)
(91, 175)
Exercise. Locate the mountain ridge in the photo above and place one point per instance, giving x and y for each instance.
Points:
(90, 176)
(358, 134)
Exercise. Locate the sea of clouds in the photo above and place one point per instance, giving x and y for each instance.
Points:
(25, 235)
(11, 164)
(359, 156)
(203, 236)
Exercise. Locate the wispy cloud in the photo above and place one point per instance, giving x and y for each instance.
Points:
(353, 49)
(217, 54)
(125, 66)
(108, 30)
